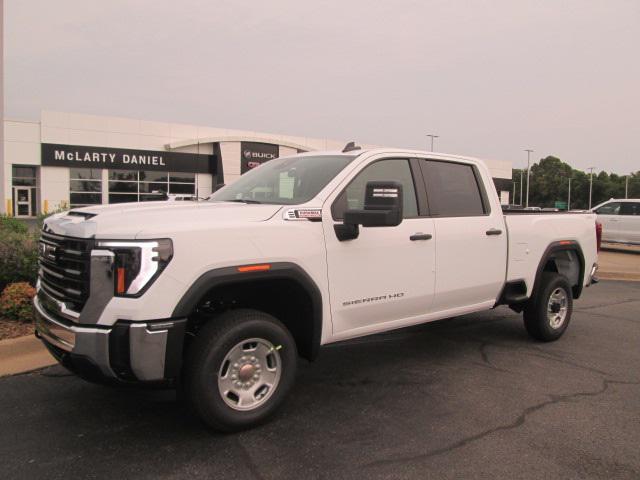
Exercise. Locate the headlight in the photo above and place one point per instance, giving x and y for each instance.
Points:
(137, 264)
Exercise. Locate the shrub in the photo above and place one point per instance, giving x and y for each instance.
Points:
(19, 250)
(15, 302)
(18, 257)
(11, 224)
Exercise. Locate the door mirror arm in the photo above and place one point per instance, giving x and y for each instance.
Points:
(346, 231)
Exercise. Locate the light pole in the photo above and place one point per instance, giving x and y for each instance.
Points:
(521, 187)
(528, 160)
(432, 137)
(626, 186)
(590, 184)
(569, 196)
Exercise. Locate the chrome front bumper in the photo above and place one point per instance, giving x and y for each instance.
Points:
(89, 342)
(128, 351)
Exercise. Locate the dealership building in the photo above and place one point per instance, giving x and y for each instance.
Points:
(70, 159)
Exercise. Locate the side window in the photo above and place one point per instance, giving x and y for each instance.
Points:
(394, 170)
(612, 208)
(452, 189)
(630, 208)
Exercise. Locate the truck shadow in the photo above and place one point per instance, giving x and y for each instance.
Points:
(368, 363)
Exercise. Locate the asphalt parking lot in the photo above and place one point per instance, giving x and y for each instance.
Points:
(471, 397)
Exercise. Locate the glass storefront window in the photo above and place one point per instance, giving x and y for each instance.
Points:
(24, 190)
(153, 187)
(123, 187)
(123, 197)
(182, 177)
(124, 175)
(153, 176)
(85, 187)
(182, 188)
(131, 186)
(84, 199)
(85, 173)
(24, 176)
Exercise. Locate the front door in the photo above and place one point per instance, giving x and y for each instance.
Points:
(384, 278)
(22, 207)
(609, 217)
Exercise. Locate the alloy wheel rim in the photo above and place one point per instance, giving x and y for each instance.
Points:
(249, 374)
(557, 308)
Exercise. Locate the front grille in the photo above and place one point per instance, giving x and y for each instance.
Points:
(64, 268)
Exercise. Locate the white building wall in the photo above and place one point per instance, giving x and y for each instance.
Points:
(54, 188)
(499, 168)
(286, 151)
(230, 153)
(22, 147)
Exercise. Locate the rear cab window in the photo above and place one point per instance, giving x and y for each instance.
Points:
(454, 189)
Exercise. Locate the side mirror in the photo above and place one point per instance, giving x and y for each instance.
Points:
(382, 208)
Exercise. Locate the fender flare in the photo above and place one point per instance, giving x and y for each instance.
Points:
(277, 271)
(564, 245)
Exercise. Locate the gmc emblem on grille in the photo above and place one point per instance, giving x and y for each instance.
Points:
(48, 251)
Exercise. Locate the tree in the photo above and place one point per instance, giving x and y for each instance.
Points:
(550, 184)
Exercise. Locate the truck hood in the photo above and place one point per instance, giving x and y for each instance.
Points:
(146, 219)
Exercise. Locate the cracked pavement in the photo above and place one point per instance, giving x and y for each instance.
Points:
(471, 397)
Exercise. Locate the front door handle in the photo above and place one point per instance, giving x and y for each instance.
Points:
(420, 236)
(494, 231)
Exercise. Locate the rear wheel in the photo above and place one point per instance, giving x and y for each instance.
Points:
(548, 314)
(239, 369)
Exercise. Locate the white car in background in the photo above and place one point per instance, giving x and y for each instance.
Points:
(620, 219)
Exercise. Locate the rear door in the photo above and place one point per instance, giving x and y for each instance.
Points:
(470, 236)
(629, 221)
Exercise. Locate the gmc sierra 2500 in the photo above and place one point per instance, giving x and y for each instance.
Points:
(219, 297)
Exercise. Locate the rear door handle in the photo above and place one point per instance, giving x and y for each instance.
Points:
(420, 236)
(494, 231)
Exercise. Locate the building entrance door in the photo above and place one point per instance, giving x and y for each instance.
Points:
(22, 202)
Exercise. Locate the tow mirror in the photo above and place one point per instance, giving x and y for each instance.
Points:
(382, 208)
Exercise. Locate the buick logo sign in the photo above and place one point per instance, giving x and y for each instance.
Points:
(249, 155)
(254, 154)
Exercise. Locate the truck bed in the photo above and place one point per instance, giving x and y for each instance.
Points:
(530, 234)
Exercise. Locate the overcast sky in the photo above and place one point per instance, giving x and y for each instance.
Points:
(490, 77)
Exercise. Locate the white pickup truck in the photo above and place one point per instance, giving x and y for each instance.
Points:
(218, 298)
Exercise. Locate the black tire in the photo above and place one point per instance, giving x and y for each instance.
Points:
(204, 361)
(536, 314)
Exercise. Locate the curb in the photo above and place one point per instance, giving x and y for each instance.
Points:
(620, 248)
(22, 355)
(623, 277)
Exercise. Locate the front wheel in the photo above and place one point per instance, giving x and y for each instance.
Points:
(548, 314)
(239, 369)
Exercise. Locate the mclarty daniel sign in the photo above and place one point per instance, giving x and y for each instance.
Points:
(254, 154)
(80, 156)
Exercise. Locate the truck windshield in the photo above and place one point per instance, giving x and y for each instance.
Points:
(284, 181)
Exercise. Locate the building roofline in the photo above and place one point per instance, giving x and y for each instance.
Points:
(236, 138)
